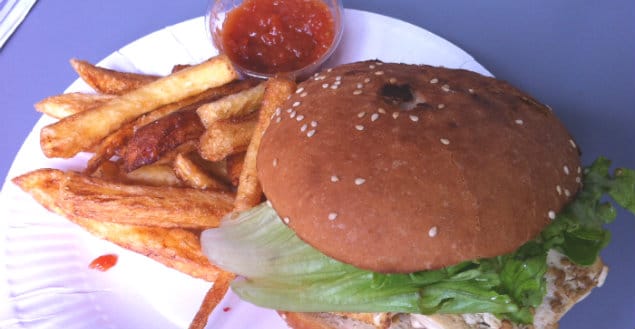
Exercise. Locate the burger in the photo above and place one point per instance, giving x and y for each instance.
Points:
(411, 196)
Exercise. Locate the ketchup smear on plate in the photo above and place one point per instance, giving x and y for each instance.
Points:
(104, 262)
(273, 36)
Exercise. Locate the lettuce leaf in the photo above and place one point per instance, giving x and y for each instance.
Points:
(282, 272)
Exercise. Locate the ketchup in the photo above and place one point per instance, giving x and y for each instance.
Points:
(104, 262)
(273, 36)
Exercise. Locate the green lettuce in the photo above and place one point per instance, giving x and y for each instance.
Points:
(280, 271)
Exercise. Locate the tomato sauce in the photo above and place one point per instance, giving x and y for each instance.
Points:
(104, 262)
(275, 36)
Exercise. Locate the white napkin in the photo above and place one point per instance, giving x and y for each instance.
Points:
(12, 13)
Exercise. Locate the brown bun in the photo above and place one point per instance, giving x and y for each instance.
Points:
(402, 168)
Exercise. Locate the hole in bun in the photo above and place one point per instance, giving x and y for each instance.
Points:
(401, 95)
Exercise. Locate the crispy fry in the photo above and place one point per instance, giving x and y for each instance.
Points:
(79, 132)
(213, 297)
(235, 167)
(249, 192)
(151, 141)
(107, 81)
(194, 176)
(152, 175)
(226, 137)
(234, 105)
(96, 199)
(110, 145)
(176, 248)
(63, 105)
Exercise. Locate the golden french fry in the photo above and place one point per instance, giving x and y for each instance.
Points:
(234, 105)
(63, 105)
(153, 175)
(151, 141)
(79, 132)
(96, 199)
(213, 297)
(113, 143)
(249, 192)
(226, 137)
(194, 176)
(176, 248)
(107, 81)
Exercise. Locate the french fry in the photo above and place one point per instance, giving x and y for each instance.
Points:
(194, 176)
(234, 105)
(171, 207)
(176, 248)
(226, 137)
(152, 175)
(234, 165)
(63, 105)
(213, 297)
(79, 132)
(151, 141)
(249, 192)
(107, 81)
(110, 145)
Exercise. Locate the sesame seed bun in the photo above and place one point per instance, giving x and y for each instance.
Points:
(401, 168)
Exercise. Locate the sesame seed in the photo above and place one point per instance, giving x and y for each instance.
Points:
(579, 170)
(367, 80)
(572, 143)
(566, 192)
(578, 179)
(433, 231)
(379, 63)
(559, 189)
(359, 86)
(379, 72)
(374, 117)
(303, 128)
(296, 104)
(382, 111)
(395, 115)
(392, 80)
(359, 127)
(471, 91)
(371, 66)
(551, 214)
(292, 115)
(286, 220)
(519, 121)
(337, 82)
(445, 88)
(414, 118)
(359, 181)
(361, 114)
(329, 70)
(303, 94)
(289, 110)
(435, 80)
(299, 90)
(332, 216)
(549, 108)
(313, 123)
(275, 162)
(445, 141)
(357, 92)
(335, 86)
(335, 179)
(441, 106)
(299, 117)
(278, 110)
(310, 133)
(278, 119)
(338, 78)
(566, 170)
(325, 85)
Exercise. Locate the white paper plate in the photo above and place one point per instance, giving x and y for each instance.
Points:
(45, 275)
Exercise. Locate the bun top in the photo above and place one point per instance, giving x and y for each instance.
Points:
(402, 168)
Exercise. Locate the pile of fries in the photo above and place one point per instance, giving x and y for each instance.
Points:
(171, 156)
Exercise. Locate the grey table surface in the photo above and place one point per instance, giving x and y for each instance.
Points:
(576, 56)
